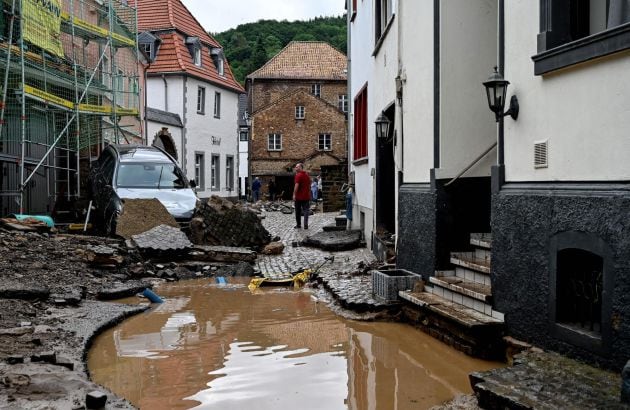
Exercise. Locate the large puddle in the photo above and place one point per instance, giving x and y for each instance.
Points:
(215, 346)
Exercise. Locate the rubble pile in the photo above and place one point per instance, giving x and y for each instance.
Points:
(141, 215)
(218, 221)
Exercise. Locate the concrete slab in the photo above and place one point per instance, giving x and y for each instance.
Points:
(334, 241)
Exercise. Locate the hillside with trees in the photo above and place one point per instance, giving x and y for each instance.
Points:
(249, 46)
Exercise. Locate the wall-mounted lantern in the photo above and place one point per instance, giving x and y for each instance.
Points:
(496, 90)
(382, 126)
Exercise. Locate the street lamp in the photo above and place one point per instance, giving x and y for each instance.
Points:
(496, 90)
(382, 126)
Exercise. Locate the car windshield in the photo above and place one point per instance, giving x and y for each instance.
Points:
(151, 175)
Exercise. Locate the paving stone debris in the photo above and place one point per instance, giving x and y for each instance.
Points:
(162, 238)
(218, 221)
(334, 240)
(141, 215)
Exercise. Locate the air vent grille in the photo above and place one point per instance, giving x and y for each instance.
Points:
(540, 154)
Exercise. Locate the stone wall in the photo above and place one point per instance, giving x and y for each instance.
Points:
(417, 229)
(333, 178)
(264, 92)
(525, 220)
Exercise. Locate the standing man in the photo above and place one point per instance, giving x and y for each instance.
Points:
(256, 189)
(301, 196)
(319, 187)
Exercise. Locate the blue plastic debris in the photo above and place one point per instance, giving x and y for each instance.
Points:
(148, 293)
(221, 280)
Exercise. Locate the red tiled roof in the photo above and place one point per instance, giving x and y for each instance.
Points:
(312, 60)
(171, 21)
(156, 15)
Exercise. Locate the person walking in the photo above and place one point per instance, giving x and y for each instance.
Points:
(256, 189)
(301, 196)
(314, 191)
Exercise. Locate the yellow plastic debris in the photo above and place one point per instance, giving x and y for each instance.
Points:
(296, 280)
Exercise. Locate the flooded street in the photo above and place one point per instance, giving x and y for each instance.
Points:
(223, 347)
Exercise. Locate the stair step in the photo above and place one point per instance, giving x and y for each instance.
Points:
(471, 289)
(341, 220)
(467, 317)
(468, 260)
(482, 240)
(472, 275)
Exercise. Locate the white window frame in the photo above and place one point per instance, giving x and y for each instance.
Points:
(300, 113)
(243, 136)
(201, 100)
(147, 48)
(220, 67)
(199, 170)
(197, 56)
(343, 103)
(106, 75)
(316, 90)
(215, 177)
(274, 142)
(321, 142)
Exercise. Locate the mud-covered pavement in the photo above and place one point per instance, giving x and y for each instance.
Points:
(50, 286)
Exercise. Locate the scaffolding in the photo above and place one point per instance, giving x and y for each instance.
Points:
(69, 84)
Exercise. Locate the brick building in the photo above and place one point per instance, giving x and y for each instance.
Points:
(298, 102)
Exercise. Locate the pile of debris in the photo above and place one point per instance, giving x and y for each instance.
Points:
(218, 221)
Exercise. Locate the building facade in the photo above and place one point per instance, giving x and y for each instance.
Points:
(298, 102)
(189, 77)
(546, 193)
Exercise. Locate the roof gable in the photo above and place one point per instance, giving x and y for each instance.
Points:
(315, 60)
(289, 95)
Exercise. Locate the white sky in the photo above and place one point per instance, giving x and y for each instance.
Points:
(220, 15)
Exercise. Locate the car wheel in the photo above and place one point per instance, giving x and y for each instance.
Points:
(110, 225)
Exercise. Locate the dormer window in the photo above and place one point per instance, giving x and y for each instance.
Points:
(218, 59)
(148, 44)
(194, 47)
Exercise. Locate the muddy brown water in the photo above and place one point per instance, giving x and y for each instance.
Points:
(213, 346)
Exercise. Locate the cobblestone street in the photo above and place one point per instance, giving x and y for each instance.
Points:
(352, 291)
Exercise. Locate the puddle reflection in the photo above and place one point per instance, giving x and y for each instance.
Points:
(222, 347)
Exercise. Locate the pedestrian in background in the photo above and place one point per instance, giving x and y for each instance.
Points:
(301, 196)
(272, 190)
(256, 189)
(314, 191)
(319, 186)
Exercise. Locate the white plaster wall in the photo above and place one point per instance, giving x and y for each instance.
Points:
(583, 111)
(201, 128)
(176, 133)
(243, 168)
(156, 91)
(362, 68)
(416, 54)
(468, 53)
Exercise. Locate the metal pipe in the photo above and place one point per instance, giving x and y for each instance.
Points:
(22, 116)
(6, 71)
(472, 164)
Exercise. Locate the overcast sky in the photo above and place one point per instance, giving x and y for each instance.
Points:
(220, 15)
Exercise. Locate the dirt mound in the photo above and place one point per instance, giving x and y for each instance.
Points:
(140, 215)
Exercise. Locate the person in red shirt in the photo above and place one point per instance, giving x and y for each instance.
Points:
(301, 196)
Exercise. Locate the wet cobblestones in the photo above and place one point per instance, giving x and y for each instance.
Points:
(338, 276)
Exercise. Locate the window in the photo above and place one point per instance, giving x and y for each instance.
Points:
(580, 30)
(324, 142)
(217, 105)
(148, 49)
(299, 112)
(119, 86)
(243, 136)
(354, 10)
(214, 173)
(343, 103)
(197, 56)
(274, 142)
(106, 75)
(201, 100)
(229, 173)
(199, 177)
(220, 66)
(316, 90)
(382, 15)
(360, 124)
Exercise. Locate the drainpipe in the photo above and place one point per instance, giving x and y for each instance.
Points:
(398, 139)
(165, 93)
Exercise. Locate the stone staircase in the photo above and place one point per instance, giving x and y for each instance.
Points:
(456, 305)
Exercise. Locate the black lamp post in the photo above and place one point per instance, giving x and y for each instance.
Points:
(382, 126)
(496, 90)
(248, 123)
